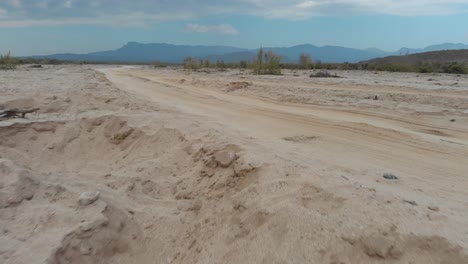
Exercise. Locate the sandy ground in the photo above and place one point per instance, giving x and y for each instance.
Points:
(228, 167)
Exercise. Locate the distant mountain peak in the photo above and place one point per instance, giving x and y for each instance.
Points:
(140, 52)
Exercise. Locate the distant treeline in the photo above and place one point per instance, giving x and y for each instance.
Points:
(436, 67)
(267, 62)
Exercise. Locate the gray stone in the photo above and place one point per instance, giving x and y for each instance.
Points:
(390, 176)
(225, 158)
(87, 198)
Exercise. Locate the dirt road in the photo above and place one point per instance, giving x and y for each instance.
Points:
(430, 153)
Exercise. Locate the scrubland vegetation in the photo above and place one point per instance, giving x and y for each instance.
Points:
(268, 62)
(7, 62)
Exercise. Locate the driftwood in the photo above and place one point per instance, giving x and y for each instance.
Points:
(15, 113)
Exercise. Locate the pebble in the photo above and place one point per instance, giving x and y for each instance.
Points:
(390, 176)
(87, 198)
(433, 208)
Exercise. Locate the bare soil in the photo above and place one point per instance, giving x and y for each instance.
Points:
(229, 167)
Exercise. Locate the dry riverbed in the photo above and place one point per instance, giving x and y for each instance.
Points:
(142, 165)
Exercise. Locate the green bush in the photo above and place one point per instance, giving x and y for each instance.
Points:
(455, 68)
(7, 62)
(425, 68)
(267, 63)
(395, 68)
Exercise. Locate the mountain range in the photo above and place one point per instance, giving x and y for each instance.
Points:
(170, 53)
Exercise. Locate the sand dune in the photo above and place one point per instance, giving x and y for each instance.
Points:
(227, 167)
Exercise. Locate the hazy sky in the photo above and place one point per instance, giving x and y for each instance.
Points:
(30, 27)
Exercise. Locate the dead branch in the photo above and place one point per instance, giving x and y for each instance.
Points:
(16, 113)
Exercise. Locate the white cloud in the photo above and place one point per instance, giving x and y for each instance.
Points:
(3, 13)
(14, 3)
(129, 20)
(68, 4)
(218, 29)
(307, 4)
(48, 12)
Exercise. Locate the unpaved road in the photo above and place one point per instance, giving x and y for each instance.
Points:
(426, 149)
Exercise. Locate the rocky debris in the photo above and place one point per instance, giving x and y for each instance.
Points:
(300, 138)
(17, 184)
(380, 246)
(207, 173)
(324, 74)
(225, 158)
(390, 176)
(393, 247)
(119, 137)
(237, 85)
(433, 208)
(242, 167)
(87, 198)
(97, 239)
(410, 202)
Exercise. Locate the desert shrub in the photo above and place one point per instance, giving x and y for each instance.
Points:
(267, 63)
(8, 62)
(190, 63)
(272, 63)
(455, 68)
(394, 67)
(220, 64)
(257, 64)
(243, 64)
(331, 66)
(305, 61)
(318, 65)
(425, 68)
(207, 63)
(158, 64)
(324, 74)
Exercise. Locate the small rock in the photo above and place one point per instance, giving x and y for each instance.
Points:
(88, 198)
(433, 208)
(225, 158)
(453, 120)
(376, 98)
(390, 176)
(410, 202)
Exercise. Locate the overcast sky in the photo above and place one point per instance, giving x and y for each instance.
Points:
(52, 26)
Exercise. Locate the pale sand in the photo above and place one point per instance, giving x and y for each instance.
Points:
(227, 167)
